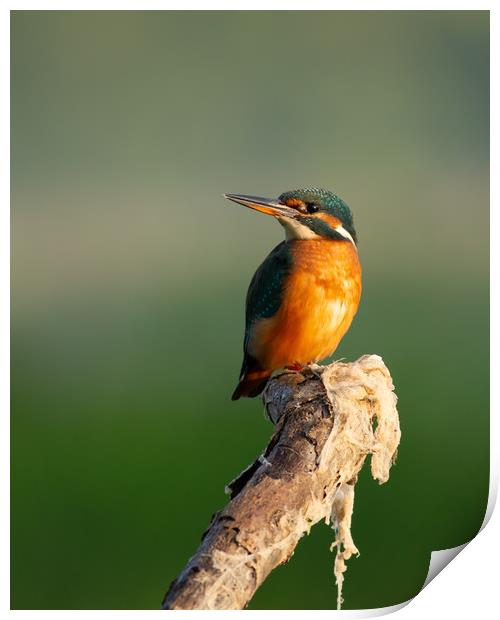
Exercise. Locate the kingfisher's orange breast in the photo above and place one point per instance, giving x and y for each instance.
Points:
(320, 298)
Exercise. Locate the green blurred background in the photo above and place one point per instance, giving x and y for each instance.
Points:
(129, 273)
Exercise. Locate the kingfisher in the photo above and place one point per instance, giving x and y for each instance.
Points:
(303, 297)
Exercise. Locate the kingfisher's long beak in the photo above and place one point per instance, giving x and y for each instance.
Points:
(264, 205)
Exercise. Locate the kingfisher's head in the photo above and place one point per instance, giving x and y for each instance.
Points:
(308, 213)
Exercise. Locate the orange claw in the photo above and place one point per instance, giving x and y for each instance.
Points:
(295, 366)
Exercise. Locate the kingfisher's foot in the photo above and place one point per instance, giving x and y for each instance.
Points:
(314, 369)
(296, 367)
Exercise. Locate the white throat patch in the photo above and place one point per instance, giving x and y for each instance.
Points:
(296, 230)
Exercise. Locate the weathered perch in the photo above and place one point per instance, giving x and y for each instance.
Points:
(328, 419)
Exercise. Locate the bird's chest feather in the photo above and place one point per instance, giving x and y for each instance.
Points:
(324, 287)
(320, 298)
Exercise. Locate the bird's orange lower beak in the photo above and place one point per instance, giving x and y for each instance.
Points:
(264, 205)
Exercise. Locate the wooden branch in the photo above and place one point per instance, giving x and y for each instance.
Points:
(327, 420)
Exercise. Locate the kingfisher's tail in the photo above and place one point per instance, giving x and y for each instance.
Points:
(252, 381)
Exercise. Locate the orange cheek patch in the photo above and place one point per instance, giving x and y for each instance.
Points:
(295, 202)
(331, 220)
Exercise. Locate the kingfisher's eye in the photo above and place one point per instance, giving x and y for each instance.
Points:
(312, 208)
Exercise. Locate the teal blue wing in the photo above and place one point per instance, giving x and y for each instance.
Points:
(266, 291)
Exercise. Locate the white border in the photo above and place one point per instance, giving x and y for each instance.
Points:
(469, 584)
